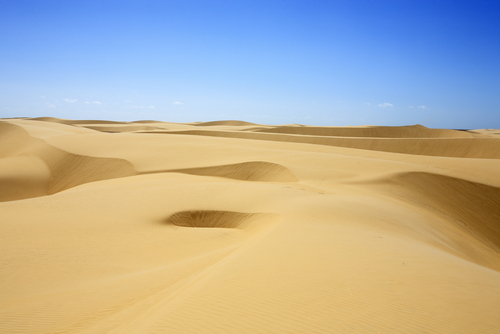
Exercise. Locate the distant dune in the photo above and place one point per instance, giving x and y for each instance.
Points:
(237, 227)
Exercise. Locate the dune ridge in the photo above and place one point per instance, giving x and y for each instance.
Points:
(485, 148)
(66, 170)
(229, 122)
(125, 128)
(474, 207)
(235, 227)
(247, 171)
(413, 131)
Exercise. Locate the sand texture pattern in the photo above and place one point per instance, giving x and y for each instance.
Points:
(236, 227)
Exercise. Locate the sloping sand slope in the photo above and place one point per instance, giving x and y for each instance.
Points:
(235, 227)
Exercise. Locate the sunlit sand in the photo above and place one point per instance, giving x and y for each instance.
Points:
(235, 227)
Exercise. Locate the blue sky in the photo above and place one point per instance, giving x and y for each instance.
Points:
(435, 63)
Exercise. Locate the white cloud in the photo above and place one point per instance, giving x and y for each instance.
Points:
(128, 101)
(93, 102)
(367, 103)
(42, 97)
(70, 100)
(422, 107)
(141, 107)
(50, 105)
(411, 107)
(177, 102)
(385, 104)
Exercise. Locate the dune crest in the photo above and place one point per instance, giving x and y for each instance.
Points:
(65, 170)
(413, 131)
(485, 148)
(229, 122)
(472, 206)
(247, 171)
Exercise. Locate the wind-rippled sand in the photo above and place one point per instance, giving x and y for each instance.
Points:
(234, 227)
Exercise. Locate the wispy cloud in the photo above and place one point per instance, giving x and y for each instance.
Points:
(42, 97)
(128, 101)
(422, 107)
(49, 105)
(93, 102)
(367, 103)
(177, 102)
(151, 107)
(70, 100)
(385, 104)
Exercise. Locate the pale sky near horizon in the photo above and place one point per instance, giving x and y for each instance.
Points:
(337, 63)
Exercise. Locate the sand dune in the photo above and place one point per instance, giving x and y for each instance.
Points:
(66, 170)
(486, 148)
(475, 207)
(415, 131)
(156, 227)
(247, 171)
(230, 123)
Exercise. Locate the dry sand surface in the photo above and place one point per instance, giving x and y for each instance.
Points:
(235, 227)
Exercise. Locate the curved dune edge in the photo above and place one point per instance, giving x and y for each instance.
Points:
(66, 170)
(220, 219)
(247, 171)
(121, 128)
(482, 148)
(74, 122)
(462, 217)
(411, 131)
(69, 170)
(474, 207)
(23, 177)
(15, 139)
(229, 122)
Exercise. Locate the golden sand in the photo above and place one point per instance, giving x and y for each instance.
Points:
(235, 227)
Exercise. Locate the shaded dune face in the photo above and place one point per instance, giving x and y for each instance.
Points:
(23, 177)
(232, 123)
(70, 170)
(14, 140)
(75, 122)
(58, 169)
(122, 128)
(474, 207)
(219, 219)
(483, 148)
(247, 171)
(413, 131)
